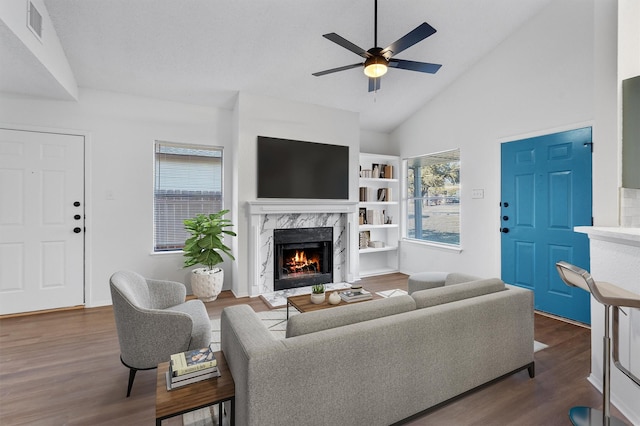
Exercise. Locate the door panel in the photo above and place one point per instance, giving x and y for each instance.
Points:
(546, 192)
(41, 257)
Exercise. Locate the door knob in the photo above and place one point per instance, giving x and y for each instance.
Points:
(505, 217)
(76, 203)
(77, 230)
(77, 217)
(504, 230)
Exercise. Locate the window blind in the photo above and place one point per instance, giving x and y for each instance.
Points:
(187, 182)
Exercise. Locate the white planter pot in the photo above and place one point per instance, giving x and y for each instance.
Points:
(317, 298)
(207, 284)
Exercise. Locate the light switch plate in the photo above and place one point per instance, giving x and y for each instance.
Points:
(477, 193)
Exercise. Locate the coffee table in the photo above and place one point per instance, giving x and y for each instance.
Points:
(196, 395)
(302, 302)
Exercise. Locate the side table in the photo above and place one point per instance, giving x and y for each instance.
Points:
(196, 395)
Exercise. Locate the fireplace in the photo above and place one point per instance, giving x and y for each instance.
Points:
(302, 257)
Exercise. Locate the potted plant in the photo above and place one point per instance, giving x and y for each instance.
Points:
(317, 293)
(203, 247)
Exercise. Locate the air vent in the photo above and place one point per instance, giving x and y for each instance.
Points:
(34, 21)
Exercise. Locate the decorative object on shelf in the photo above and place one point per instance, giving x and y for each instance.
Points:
(375, 171)
(376, 244)
(202, 248)
(365, 236)
(334, 298)
(317, 293)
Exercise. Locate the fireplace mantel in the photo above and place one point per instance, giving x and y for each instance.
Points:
(263, 214)
(279, 206)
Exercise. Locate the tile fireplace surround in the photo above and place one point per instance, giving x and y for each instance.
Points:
(265, 216)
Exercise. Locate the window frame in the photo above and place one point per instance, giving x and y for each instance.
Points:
(183, 145)
(428, 159)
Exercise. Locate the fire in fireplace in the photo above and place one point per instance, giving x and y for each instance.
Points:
(303, 257)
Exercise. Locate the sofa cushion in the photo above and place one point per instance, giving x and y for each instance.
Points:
(325, 319)
(451, 293)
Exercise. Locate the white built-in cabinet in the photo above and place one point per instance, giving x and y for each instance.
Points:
(378, 214)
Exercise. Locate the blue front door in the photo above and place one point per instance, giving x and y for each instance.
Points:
(546, 192)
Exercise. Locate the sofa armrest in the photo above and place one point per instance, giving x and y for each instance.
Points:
(244, 338)
(452, 293)
(325, 319)
(426, 280)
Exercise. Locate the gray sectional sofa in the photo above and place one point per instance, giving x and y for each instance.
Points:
(382, 361)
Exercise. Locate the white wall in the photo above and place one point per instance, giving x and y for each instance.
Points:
(377, 143)
(48, 51)
(121, 132)
(263, 116)
(537, 81)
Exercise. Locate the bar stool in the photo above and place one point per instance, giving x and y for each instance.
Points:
(608, 295)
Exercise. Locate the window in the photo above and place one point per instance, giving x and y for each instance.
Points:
(188, 181)
(433, 198)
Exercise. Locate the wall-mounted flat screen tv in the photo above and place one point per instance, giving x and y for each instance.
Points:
(297, 169)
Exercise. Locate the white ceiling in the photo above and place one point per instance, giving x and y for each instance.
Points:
(205, 51)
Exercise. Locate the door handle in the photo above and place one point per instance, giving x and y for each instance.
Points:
(504, 230)
(505, 217)
(77, 217)
(77, 230)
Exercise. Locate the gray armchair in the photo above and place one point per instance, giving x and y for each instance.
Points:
(154, 321)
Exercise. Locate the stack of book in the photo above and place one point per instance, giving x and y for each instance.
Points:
(191, 367)
(355, 296)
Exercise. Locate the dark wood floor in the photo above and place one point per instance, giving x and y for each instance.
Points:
(62, 368)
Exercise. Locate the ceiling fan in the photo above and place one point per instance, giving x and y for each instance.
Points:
(378, 60)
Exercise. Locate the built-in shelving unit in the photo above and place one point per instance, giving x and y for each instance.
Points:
(378, 214)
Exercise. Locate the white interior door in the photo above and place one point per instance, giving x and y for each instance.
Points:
(41, 221)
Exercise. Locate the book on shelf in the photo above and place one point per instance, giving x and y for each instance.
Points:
(349, 296)
(387, 171)
(363, 193)
(192, 361)
(374, 217)
(177, 382)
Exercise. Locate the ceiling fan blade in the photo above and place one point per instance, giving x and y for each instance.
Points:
(332, 70)
(347, 44)
(414, 66)
(423, 31)
(374, 84)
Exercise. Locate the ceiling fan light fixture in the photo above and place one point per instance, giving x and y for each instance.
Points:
(375, 66)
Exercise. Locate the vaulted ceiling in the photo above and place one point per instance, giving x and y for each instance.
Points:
(206, 51)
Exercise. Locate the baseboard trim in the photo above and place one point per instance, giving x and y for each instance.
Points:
(44, 311)
(567, 320)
